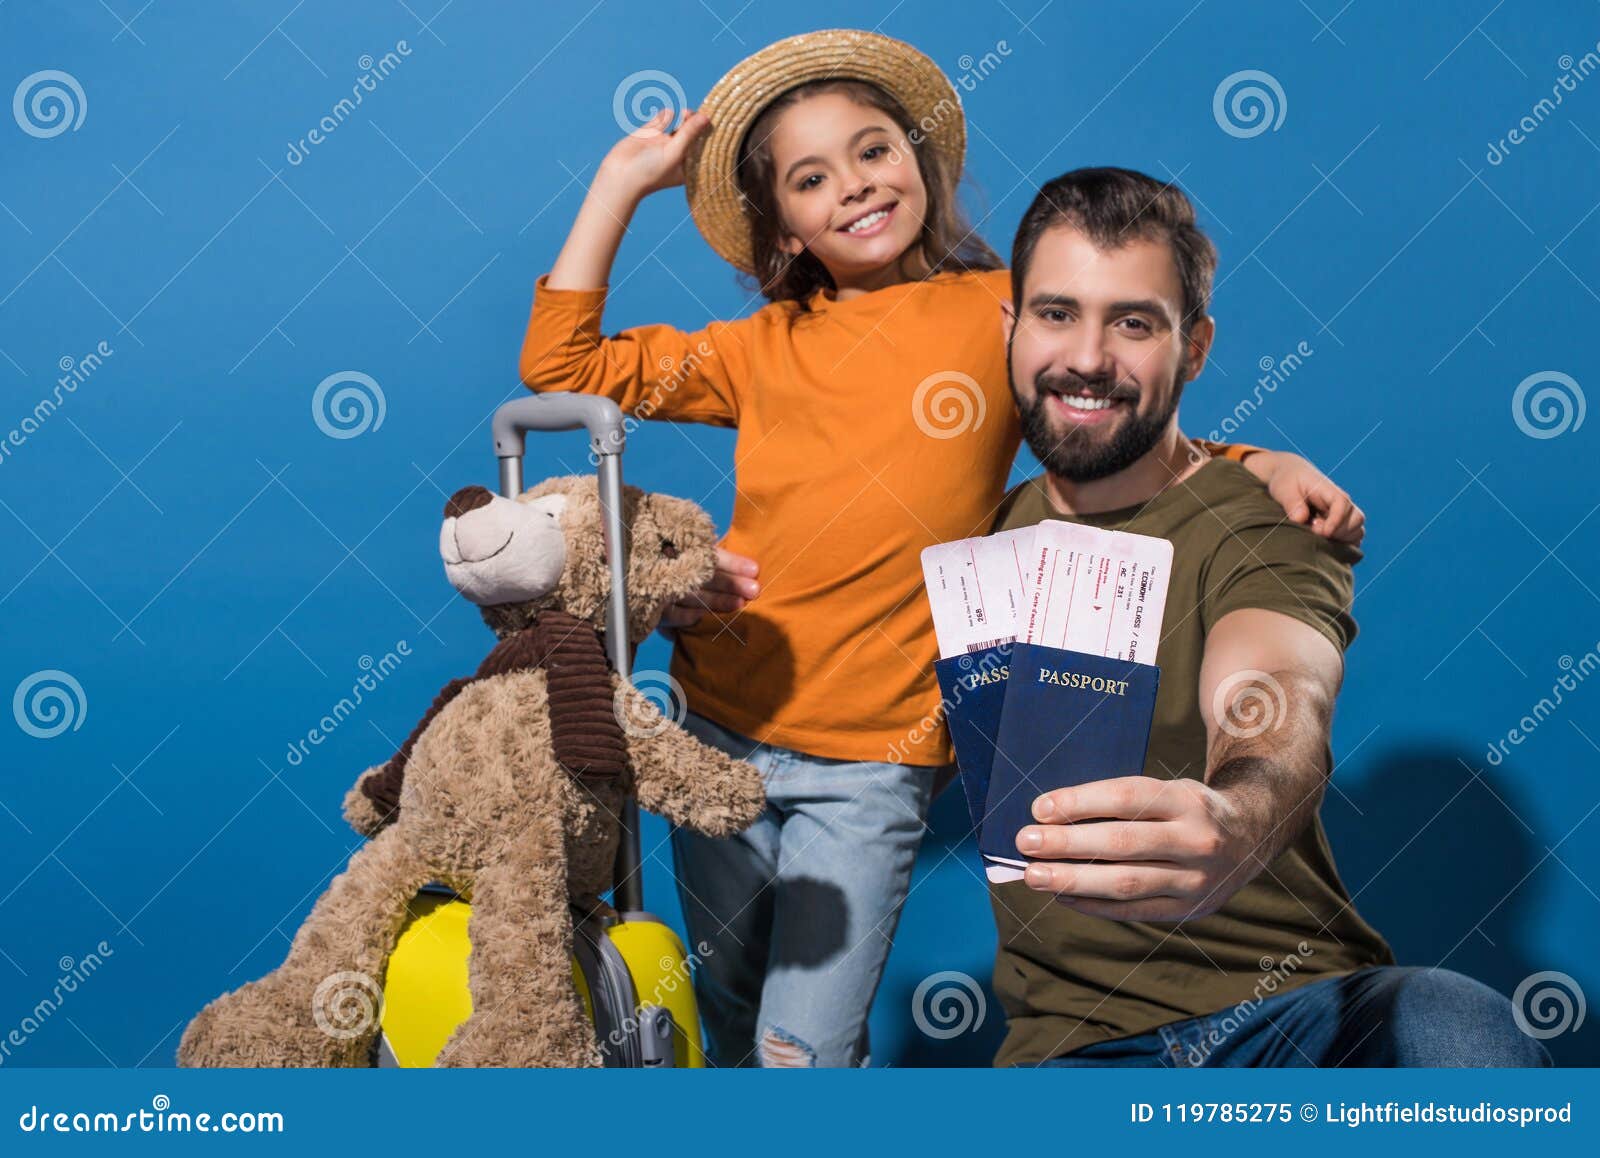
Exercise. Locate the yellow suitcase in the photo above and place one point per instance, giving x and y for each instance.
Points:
(630, 968)
(631, 972)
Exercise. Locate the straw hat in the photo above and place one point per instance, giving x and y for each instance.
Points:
(735, 101)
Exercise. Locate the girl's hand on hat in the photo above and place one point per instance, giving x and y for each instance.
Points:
(651, 158)
(732, 586)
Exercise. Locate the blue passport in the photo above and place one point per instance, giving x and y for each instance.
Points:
(1067, 718)
(974, 689)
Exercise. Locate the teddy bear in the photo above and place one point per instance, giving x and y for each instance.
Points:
(508, 791)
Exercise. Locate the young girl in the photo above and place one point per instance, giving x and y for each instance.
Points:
(874, 417)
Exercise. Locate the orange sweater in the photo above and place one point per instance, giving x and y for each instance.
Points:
(868, 429)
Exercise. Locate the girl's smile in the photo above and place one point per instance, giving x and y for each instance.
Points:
(870, 223)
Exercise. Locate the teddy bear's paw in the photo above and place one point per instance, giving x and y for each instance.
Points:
(748, 799)
(362, 812)
(738, 803)
(276, 1023)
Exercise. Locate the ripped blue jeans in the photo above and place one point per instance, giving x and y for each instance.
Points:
(797, 912)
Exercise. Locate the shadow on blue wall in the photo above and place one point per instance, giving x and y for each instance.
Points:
(1464, 891)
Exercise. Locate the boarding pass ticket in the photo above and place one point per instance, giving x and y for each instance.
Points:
(977, 588)
(1095, 591)
(1060, 584)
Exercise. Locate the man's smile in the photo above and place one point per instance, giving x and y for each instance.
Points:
(1084, 409)
(1083, 405)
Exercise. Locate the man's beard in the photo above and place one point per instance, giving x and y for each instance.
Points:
(1081, 454)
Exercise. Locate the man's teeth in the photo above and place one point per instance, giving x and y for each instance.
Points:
(1078, 402)
(867, 222)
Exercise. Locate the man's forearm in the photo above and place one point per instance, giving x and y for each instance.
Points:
(1270, 765)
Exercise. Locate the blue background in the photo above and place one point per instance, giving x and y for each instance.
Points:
(184, 540)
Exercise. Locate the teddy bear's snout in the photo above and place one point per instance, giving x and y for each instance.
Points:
(498, 550)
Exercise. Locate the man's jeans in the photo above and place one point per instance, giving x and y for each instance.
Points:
(797, 912)
(1381, 1016)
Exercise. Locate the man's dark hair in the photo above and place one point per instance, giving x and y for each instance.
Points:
(1113, 207)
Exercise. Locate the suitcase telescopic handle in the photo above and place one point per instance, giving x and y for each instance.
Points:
(602, 418)
(558, 411)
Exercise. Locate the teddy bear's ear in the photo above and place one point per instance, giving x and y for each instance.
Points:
(673, 554)
(683, 528)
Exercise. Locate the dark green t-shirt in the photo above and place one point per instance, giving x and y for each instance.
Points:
(1067, 980)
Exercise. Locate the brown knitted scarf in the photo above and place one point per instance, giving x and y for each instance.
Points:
(585, 732)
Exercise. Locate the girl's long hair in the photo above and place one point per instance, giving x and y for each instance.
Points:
(947, 242)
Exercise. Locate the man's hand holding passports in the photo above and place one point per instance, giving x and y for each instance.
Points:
(1041, 633)
(1158, 850)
